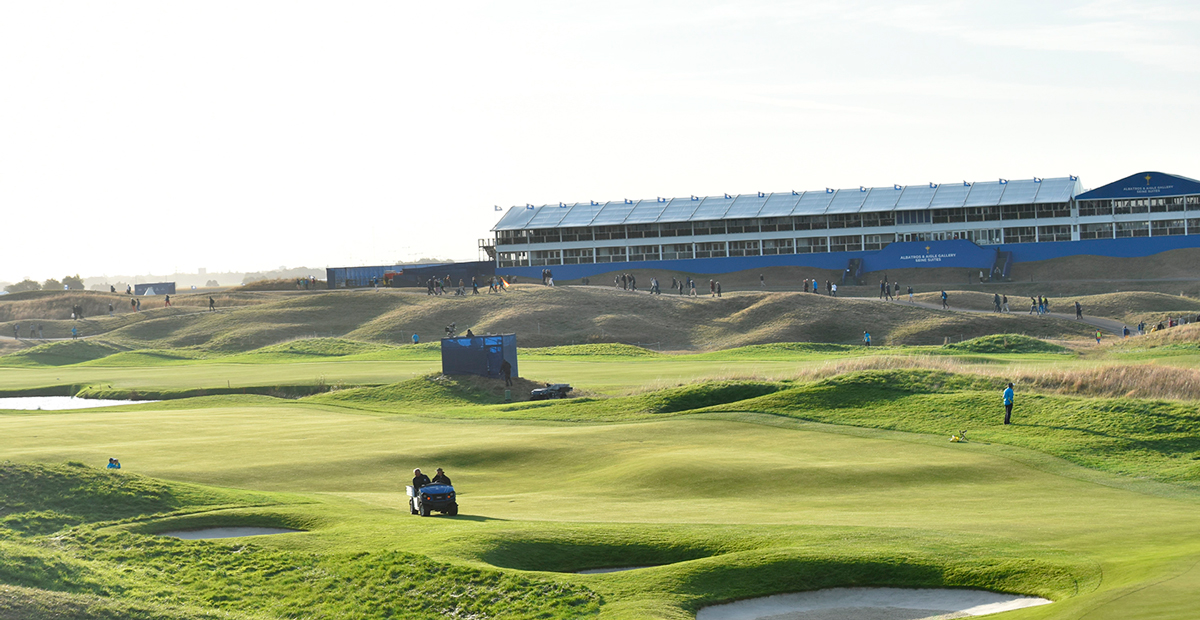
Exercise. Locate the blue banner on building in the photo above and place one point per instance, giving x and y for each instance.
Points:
(952, 253)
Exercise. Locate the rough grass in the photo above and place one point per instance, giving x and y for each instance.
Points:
(545, 317)
(61, 353)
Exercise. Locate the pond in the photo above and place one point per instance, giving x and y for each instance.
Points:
(56, 403)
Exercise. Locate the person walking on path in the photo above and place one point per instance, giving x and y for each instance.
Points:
(167, 299)
(833, 290)
(40, 336)
(718, 289)
(1078, 311)
(506, 372)
(996, 302)
(1124, 331)
(945, 306)
(910, 295)
(110, 310)
(867, 338)
(1008, 403)
(762, 282)
(74, 333)
(712, 288)
(16, 331)
(1004, 301)
(1097, 336)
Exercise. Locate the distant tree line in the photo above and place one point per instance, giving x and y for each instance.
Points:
(74, 283)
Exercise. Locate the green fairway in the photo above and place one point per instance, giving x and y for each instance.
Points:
(734, 474)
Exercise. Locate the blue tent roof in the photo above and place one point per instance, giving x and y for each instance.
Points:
(1145, 185)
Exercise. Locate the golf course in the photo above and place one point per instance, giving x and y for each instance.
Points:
(719, 449)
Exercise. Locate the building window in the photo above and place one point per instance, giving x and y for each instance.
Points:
(643, 252)
(711, 227)
(1054, 233)
(806, 245)
(1136, 205)
(1193, 203)
(1088, 208)
(741, 226)
(920, 236)
(845, 220)
(544, 235)
(913, 217)
(1054, 209)
(511, 237)
(874, 220)
(641, 231)
(1017, 212)
(771, 247)
(675, 229)
(1096, 231)
(676, 251)
(1020, 234)
(811, 222)
(743, 248)
(1193, 227)
(603, 233)
(610, 255)
(1132, 229)
(581, 256)
(715, 249)
(877, 242)
(949, 216)
(1163, 228)
(848, 243)
(772, 224)
(512, 259)
(546, 257)
(982, 214)
(576, 234)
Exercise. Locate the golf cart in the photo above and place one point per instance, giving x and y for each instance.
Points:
(432, 498)
(556, 390)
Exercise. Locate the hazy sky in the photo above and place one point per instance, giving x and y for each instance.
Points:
(140, 137)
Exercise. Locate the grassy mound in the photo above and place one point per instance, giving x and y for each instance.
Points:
(1005, 343)
(311, 348)
(1146, 438)
(59, 353)
(430, 391)
(593, 350)
(45, 498)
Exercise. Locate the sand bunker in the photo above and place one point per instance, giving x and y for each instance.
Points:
(227, 532)
(56, 403)
(871, 604)
(598, 571)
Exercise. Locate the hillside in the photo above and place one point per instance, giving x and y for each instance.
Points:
(542, 317)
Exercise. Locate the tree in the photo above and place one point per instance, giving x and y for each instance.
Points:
(52, 285)
(23, 285)
(211, 283)
(74, 282)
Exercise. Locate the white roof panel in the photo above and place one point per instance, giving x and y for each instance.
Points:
(881, 199)
(516, 218)
(646, 212)
(580, 215)
(1062, 189)
(950, 196)
(679, 210)
(746, 205)
(985, 194)
(613, 213)
(712, 208)
(813, 203)
(1019, 192)
(846, 201)
(548, 216)
(779, 204)
(916, 198)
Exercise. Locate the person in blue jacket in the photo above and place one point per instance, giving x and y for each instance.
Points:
(1008, 403)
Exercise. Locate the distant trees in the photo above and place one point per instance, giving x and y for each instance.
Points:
(75, 283)
(23, 285)
(52, 285)
(211, 283)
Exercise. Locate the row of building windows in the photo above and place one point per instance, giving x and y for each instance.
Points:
(1138, 205)
(843, 243)
(783, 224)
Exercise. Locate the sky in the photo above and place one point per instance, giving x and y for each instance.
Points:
(143, 137)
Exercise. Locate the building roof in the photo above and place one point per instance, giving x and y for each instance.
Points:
(1145, 185)
(827, 201)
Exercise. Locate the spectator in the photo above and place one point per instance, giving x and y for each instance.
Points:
(1008, 403)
